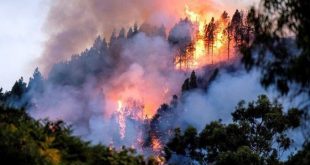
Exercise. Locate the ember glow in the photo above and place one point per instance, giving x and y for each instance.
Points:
(199, 54)
(133, 98)
(120, 82)
(121, 118)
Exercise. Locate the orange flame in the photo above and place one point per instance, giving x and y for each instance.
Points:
(156, 145)
(197, 55)
(121, 119)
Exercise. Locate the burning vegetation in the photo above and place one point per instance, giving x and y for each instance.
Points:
(152, 89)
(133, 74)
(195, 44)
(209, 43)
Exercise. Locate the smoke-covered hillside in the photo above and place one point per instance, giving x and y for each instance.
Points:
(210, 87)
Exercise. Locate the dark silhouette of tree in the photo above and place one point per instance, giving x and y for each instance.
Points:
(257, 135)
(247, 31)
(130, 33)
(36, 82)
(280, 47)
(112, 39)
(206, 40)
(185, 86)
(121, 34)
(15, 97)
(116, 44)
(162, 123)
(243, 156)
(225, 17)
(227, 30)
(180, 38)
(190, 83)
(1, 96)
(100, 44)
(25, 141)
(19, 88)
(89, 63)
(135, 29)
(193, 81)
(210, 31)
(302, 157)
(237, 27)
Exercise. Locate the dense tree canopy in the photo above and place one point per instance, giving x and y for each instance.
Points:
(280, 45)
(256, 136)
(27, 141)
(280, 48)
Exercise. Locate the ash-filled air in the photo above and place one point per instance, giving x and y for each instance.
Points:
(129, 86)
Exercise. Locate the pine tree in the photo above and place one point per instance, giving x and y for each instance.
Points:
(135, 29)
(229, 35)
(121, 34)
(237, 27)
(130, 33)
(193, 81)
(185, 86)
(36, 82)
(210, 36)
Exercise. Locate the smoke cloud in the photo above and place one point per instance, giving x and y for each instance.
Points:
(142, 78)
(223, 95)
(72, 25)
(136, 80)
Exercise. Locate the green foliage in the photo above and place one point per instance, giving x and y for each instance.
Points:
(27, 141)
(302, 157)
(280, 45)
(266, 122)
(14, 98)
(21, 138)
(256, 136)
(36, 82)
(182, 144)
(21, 93)
(243, 156)
(19, 88)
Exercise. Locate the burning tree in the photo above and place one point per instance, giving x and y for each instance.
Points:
(180, 38)
(210, 32)
(205, 44)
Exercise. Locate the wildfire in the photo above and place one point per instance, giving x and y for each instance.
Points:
(136, 100)
(121, 119)
(156, 145)
(219, 40)
(195, 17)
(197, 55)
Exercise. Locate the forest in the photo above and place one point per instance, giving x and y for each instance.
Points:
(55, 119)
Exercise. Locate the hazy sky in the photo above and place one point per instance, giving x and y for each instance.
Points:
(22, 37)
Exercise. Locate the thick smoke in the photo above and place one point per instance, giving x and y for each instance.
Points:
(72, 24)
(137, 71)
(223, 95)
(142, 77)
